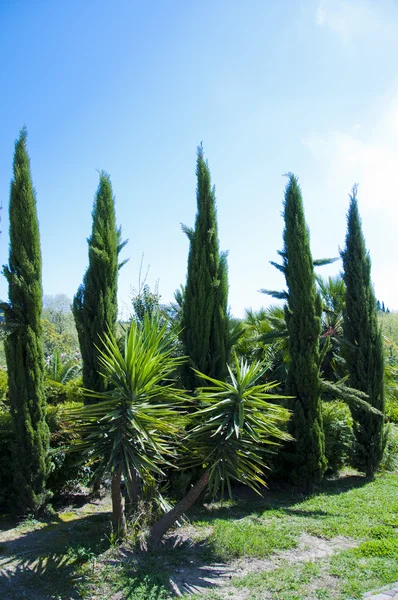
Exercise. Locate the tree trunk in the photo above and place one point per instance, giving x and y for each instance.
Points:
(118, 518)
(131, 503)
(95, 493)
(159, 529)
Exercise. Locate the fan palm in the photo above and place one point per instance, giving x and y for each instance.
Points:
(130, 431)
(229, 435)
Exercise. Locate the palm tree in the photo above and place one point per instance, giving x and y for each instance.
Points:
(130, 433)
(264, 339)
(332, 292)
(60, 369)
(229, 436)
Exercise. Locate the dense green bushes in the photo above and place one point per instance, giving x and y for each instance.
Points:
(339, 436)
(65, 472)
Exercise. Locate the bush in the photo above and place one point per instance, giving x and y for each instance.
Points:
(339, 437)
(58, 393)
(66, 472)
(390, 457)
(6, 440)
(3, 384)
(74, 390)
(55, 392)
(392, 411)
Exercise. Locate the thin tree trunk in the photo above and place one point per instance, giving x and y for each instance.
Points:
(131, 504)
(96, 488)
(160, 527)
(118, 518)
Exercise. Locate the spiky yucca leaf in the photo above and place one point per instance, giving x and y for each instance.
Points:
(135, 422)
(238, 420)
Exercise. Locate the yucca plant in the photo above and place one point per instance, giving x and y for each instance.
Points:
(229, 435)
(131, 430)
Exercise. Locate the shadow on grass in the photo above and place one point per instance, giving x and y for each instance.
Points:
(246, 502)
(175, 568)
(42, 563)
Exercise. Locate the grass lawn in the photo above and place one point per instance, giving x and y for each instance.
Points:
(335, 545)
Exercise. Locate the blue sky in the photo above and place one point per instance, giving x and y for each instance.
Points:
(269, 87)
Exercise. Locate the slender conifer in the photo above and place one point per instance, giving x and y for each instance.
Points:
(304, 458)
(205, 307)
(23, 344)
(363, 344)
(95, 304)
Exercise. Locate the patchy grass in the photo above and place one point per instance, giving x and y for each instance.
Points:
(250, 537)
(252, 548)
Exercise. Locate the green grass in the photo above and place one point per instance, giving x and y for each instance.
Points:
(366, 511)
(262, 528)
(250, 537)
(342, 577)
(351, 507)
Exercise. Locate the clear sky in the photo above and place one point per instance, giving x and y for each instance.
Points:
(269, 86)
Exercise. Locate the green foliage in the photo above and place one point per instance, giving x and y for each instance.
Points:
(382, 547)
(23, 344)
(61, 368)
(67, 472)
(95, 304)
(59, 330)
(363, 347)
(143, 588)
(55, 392)
(389, 461)
(237, 422)
(389, 325)
(146, 302)
(6, 440)
(204, 320)
(339, 437)
(3, 385)
(305, 457)
(264, 339)
(64, 473)
(332, 292)
(133, 425)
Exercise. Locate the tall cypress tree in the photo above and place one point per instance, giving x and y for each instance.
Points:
(23, 344)
(305, 460)
(364, 345)
(205, 307)
(95, 304)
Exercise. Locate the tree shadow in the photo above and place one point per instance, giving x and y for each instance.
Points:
(179, 566)
(42, 563)
(278, 497)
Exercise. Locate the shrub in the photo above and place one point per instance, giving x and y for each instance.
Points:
(3, 384)
(6, 439)
(339, 437)
(392, 411)
(390, 457)
(55, 392)
(66, 473)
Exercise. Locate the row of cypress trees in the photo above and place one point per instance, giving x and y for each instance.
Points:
(304, 458)
(205, 321)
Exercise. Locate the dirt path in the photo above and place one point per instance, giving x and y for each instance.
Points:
(198, 578)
